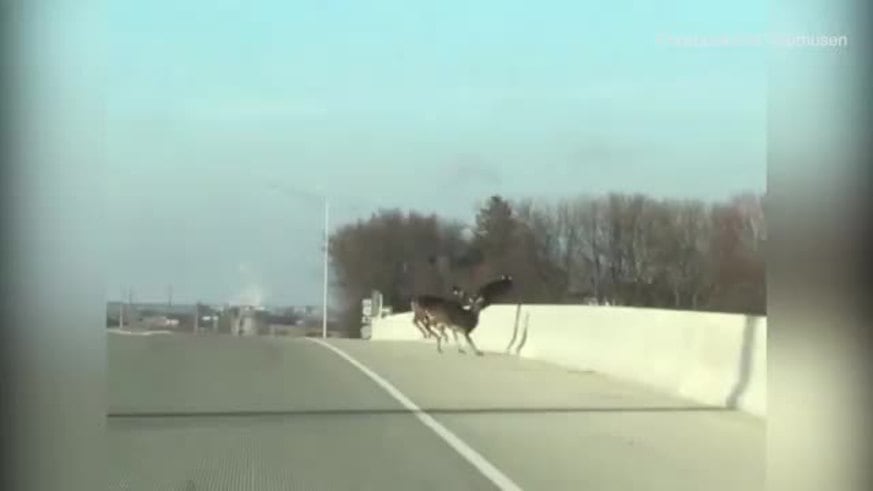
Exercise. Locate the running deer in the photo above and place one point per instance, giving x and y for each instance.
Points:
(462, 314)
(422, 304)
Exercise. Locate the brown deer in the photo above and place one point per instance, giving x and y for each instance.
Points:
(422, 304)
(462, 314)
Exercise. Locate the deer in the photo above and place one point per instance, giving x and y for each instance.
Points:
(423, 320)
(491, 291)
(422, 304)
(461, 314)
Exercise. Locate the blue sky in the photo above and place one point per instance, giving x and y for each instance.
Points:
(212, 104)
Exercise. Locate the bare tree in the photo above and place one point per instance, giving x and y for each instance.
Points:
(625, 249)
(589, 224)
(392, 252)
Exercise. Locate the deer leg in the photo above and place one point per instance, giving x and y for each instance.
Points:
(439, 331)
(439, 348)
(428, 326)
(420, 328)
(458, 341)
(427, 331)
(421, 323)
(438, 339)
(434, 328)
(472, 345)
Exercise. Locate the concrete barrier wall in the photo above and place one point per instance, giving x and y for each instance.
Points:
(717, 359)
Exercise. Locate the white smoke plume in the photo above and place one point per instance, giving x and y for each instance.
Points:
(253, 292)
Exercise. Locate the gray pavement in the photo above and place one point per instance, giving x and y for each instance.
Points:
(218, 412)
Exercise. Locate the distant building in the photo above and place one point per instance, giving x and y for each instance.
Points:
(249, 321)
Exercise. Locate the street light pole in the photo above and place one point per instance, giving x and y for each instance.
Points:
(326, 252)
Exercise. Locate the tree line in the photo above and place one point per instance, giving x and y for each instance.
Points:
(616, 249)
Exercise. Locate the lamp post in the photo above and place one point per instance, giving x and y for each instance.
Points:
(326, 252)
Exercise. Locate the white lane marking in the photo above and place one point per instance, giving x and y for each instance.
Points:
(501, 480)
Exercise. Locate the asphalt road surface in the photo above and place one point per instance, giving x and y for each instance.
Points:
(213, 412)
